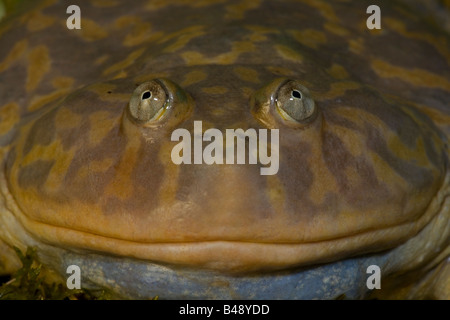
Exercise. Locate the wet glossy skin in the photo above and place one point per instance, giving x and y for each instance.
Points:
(365, 174)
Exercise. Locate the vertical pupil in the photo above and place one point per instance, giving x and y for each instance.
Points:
(146, 95)
(296, 94)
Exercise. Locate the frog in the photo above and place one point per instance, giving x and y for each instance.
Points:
(357, 208)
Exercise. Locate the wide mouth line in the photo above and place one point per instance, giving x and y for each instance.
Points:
(420, 222)
(224, 256)
(220, 255)
(361, 233)
(417, 224)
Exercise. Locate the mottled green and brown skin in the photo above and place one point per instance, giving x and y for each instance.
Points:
(368, 174)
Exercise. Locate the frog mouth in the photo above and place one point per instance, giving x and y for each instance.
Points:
(227, 256)
(222, 256)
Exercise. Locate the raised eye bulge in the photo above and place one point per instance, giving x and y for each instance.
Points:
(148, 102)
(294, 102)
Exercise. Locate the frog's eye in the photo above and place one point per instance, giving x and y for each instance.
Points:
(294, 102)
(148, 102)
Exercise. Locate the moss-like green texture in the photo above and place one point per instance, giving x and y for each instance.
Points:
(29, 283)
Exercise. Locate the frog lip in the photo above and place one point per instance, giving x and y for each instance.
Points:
(221, 255)
(227, 256)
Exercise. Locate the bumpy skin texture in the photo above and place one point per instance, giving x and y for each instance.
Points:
(367, 174)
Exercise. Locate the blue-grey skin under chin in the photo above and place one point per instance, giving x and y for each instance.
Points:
(142, 280)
